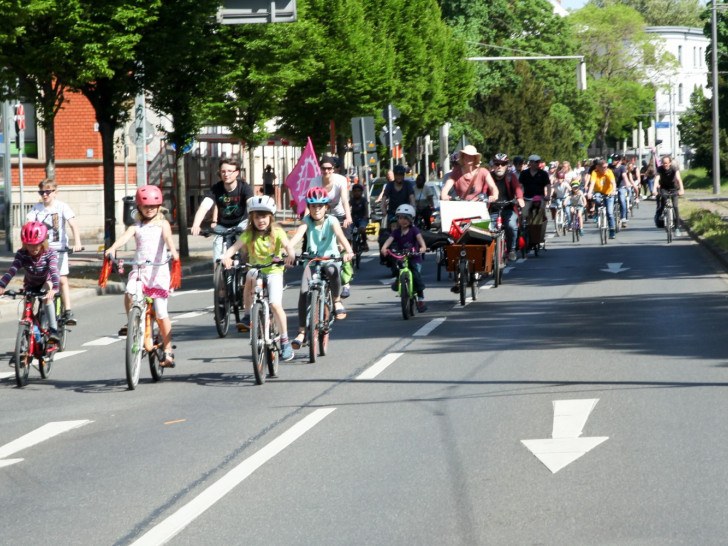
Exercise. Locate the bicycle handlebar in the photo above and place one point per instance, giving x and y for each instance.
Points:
(120, 262)
(69, 251)
(314, 258)
(405, 254)
(220, 230)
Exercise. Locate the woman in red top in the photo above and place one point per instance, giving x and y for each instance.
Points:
(469, 179)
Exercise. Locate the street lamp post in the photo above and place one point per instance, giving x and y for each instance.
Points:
(716, 120)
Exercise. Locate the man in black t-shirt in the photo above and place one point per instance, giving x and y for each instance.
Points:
(230, 195)
(667, 180)
(534, 181)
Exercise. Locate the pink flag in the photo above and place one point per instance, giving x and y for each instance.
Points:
(301, 176)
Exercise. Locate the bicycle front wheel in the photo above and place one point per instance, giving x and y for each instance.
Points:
(154, 364)
(327, 308)
(61, 320)
(23, 358)
(221, 301)
(405, 294)
(134, 346)
(272, 351)
(257, 341)
(312, 325)
(668, 223)
(498, 259)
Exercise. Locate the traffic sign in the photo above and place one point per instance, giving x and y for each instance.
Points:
(393, 109)
(19, 117)
(396, 136)
(362, 130)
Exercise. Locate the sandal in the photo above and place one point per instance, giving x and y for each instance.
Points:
(123, 330)
(339, 311)
(297, 342)
(167, 360)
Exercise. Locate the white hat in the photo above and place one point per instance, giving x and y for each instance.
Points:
(469, 150)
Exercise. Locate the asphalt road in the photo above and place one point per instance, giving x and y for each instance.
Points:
(409, 432)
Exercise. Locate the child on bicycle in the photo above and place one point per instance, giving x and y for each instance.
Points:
(324, 232)
(153, 236)
(41, 270)
(577, 202)
(359, 212)
(56, 215)
(264, 241)
(407, 237)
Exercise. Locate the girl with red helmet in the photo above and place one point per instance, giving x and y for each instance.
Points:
(324, 232)
(41, 269)
(153, 236)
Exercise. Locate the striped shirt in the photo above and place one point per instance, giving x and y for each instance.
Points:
(37, 270)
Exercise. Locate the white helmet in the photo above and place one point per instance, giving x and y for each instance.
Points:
(261, 203)
(406, 210)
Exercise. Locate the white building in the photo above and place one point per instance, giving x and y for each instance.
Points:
(688, 46)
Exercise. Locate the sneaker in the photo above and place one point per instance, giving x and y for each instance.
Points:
(244, 325)
(421, 306)
(69, 318)
(345, 292)
(53, 335)
(678, 233)
(512, 256)
(286, 351)
(624, 223)
(611, 234)
(455, 289)
(123, 330)
(395, 285)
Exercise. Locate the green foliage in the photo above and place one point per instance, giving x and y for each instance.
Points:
(708, 225)
(684, 13)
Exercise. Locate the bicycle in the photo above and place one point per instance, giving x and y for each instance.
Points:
(265, 340)
(405, 282)
(602, 219)
(499, 255)
(227, 283)
(560, 220)
(617, 215)
(358, 243)
(143, 336)
(669, 212)
(320, 314)
(576, 226)
(32, 340)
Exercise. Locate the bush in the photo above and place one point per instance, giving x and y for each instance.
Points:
(709, 225)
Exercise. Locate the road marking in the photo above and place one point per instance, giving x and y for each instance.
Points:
(388, 281)
(429, 327)
(102, 341)
(6, 375)
(175, 422)
(191, 314)
(175, 523)
(185, 292)
(66, 354)
(39, 435)
(378, 367)
(565, 446)
(615, 268)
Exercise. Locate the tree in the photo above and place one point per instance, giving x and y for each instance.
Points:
(619, 56)
(686, 13)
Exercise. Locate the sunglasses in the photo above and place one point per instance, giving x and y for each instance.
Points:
(327, 168)
(499, 163)
(46, 192)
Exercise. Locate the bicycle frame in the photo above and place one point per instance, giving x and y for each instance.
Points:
(318, 290)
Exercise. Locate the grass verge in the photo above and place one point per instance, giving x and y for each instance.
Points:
(708, 225)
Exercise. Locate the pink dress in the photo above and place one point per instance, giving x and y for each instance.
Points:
(150, 245)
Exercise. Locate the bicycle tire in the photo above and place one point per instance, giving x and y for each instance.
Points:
(474, 286)
(463, 280)
(526, 242)
(134, 346)
(668, 223)
(154, 363)
(221, 302)
(272, 351)
(404, 294)
(237, 296)
(61, 321)
(257, 341)
(45, 364)
(325, 323)
(440, 256)
(23, 358)
(498, 261)
(312, 323)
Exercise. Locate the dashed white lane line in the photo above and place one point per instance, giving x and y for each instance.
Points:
(429, 327)
(378, 367)
(6, 375)
(66, 354)
(191, 314)
(185, 292)
(39, 435)
(167, 529)
(102, 341)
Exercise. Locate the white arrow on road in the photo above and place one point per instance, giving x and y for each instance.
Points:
(565, 446)
(615, 268)
(39, 435)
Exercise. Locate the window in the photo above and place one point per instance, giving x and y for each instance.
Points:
(679, 55)
(30, 149)
(680, 94)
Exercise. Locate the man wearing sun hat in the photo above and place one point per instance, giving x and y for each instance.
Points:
(469, 179)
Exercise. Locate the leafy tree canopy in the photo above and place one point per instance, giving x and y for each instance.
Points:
(685, 13)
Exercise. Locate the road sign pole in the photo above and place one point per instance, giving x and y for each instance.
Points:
(390, 127)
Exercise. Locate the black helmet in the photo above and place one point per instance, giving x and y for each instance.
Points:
(518, 160)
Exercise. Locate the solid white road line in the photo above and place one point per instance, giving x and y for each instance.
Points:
(6, 375)
(39, 435)
(191, 314)
(378, 367)
(175, 523)
(102, 341)
(429, 327)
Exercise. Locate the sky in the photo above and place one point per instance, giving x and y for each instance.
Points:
(573, 4)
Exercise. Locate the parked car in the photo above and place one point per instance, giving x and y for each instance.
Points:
(376, 187)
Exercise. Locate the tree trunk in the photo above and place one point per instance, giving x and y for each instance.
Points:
(50, 148)
(184, 250)
(107, 128)
(251, 167)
